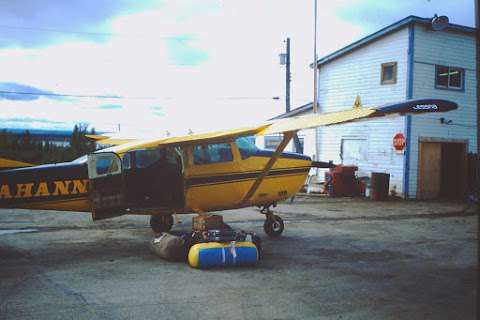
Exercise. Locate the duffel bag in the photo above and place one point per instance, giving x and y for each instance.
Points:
(169, 247)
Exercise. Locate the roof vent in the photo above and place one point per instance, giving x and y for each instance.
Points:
(439, 23)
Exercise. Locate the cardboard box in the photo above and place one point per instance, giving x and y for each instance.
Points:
(207, 222)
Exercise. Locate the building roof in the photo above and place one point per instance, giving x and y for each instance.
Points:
(387, 30)
(366, 40)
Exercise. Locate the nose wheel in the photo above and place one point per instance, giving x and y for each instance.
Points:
(161, 223)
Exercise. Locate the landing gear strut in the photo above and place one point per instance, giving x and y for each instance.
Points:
(273, 225)
(161, 223)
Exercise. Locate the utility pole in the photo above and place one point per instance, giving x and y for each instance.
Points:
(287, 77)
(315, 80)
(285, 60)
(477, 26)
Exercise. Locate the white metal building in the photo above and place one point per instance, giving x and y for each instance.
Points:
(406, 60)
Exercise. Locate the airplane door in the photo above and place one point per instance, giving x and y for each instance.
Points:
(107, 185)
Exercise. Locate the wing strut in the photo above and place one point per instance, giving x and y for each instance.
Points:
(287, 136)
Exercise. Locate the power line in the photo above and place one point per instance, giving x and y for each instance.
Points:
(110, 34)
(68, 95)
(72, 95)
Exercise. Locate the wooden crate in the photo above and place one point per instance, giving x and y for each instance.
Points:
(207, 222)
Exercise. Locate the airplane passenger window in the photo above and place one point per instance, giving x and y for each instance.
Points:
(246, 146)
(147, 157)
(212, 153)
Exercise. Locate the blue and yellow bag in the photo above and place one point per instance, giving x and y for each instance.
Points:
(214, 254)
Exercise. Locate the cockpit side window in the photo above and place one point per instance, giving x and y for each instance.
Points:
(246, 146)
(106, 165)
(147, 157)
(212, 153)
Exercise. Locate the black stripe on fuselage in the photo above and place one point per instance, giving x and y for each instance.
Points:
(286, 155)
(229, 178)
(43, 181)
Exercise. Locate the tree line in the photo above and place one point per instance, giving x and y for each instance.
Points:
(25, 147)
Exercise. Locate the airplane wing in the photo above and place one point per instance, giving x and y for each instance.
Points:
(113, 141)
(9, 164)
(355, 114)
(294, 124)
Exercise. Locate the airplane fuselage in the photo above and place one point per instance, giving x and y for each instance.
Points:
(196, 187)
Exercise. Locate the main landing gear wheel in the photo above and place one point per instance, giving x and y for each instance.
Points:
(273, 226)
(161, 223)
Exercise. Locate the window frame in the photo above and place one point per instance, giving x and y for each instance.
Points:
(394, 73)
(448, 87)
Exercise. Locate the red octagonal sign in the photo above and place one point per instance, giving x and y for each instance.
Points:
(399, 141)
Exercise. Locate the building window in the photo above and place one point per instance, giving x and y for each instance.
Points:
(449, 77)
(272, 142)
(389, 73)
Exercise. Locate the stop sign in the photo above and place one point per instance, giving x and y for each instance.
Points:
(399, 141)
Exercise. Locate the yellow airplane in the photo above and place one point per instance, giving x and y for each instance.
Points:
(189, 174)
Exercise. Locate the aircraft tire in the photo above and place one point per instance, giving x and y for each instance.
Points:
(161, 223)
(273, 226)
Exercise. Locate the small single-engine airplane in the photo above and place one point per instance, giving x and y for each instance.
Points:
(188, 174)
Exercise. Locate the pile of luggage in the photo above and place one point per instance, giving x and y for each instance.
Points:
(209, 248)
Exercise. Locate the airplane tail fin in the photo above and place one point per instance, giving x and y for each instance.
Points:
(12, 164)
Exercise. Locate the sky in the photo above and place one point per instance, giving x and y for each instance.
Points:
(175, 66)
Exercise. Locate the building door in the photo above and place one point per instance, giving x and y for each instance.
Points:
(442, 170)
(430, 158)
(453, 182)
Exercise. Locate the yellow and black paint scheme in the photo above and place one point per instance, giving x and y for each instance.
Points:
(207, 187)
(188, 174)
(62, 186)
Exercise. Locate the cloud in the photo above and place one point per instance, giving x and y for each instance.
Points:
(30, 119)
(182, 52)
(17, 91)
(33, 123)
(46, 18)
(373, 15)
(110, 106)
(191, 57)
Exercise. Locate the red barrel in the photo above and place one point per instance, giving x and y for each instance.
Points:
(380, 186)
(341, 181)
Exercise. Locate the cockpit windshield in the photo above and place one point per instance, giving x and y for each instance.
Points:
(246, 146)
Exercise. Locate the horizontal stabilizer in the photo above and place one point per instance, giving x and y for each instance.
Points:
(323, 164)
(9, 164)
(418, 106)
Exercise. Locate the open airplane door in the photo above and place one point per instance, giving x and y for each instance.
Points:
(107, 185)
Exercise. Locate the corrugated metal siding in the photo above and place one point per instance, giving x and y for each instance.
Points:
(358, 73)
(450, 49)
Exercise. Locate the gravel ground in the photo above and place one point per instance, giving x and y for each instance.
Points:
(337, 259)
